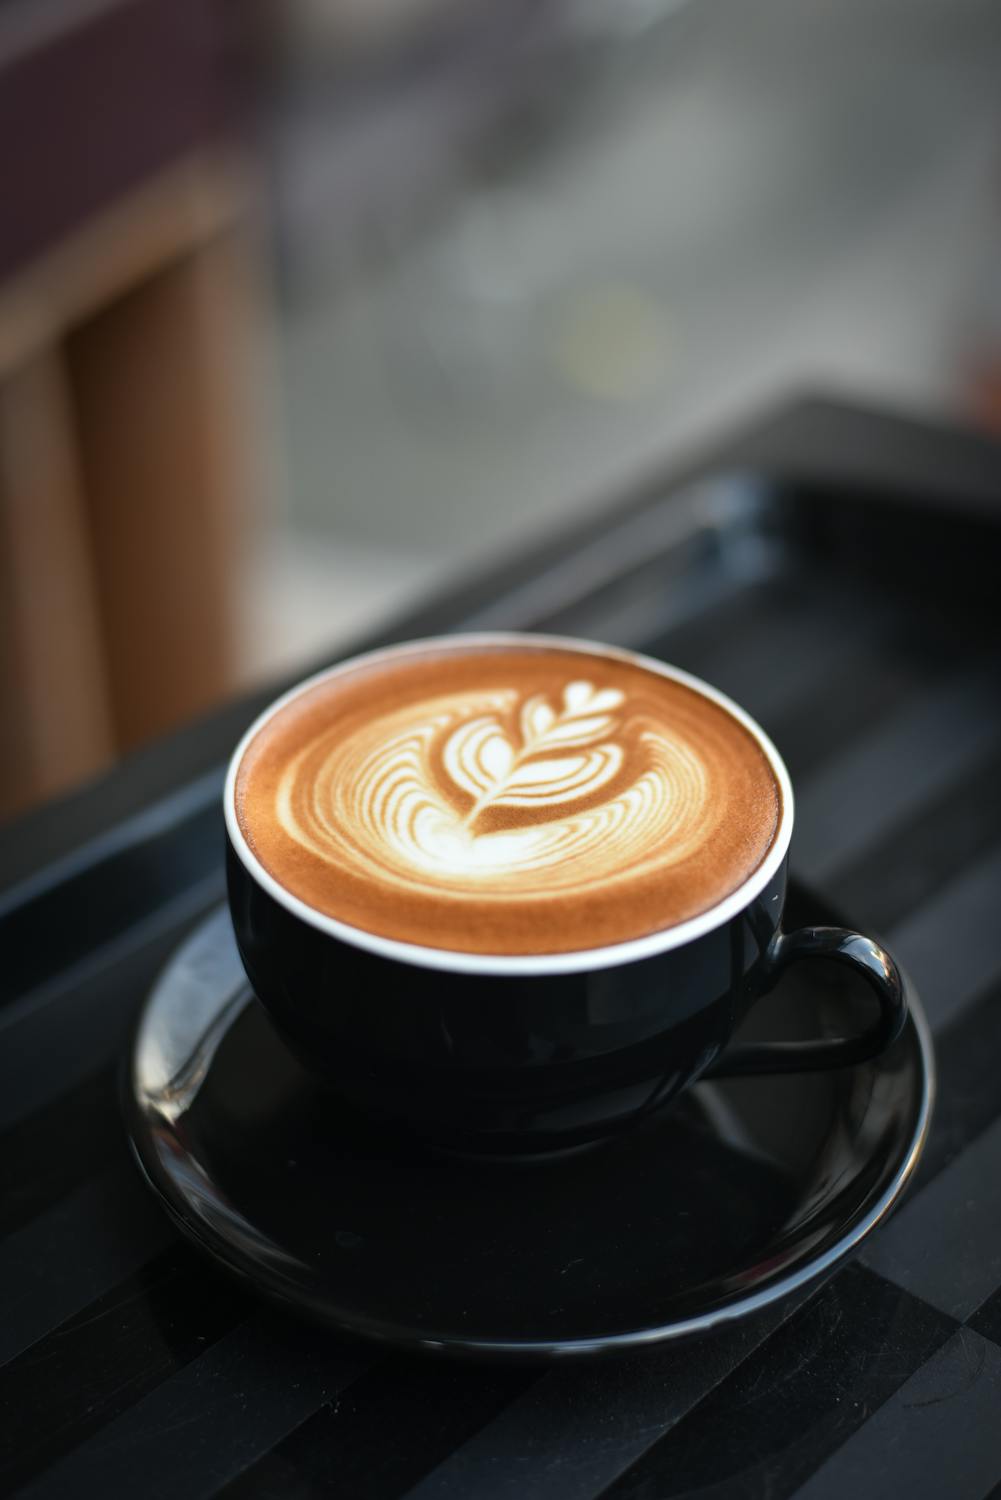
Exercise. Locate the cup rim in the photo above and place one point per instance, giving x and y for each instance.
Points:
(508, 964)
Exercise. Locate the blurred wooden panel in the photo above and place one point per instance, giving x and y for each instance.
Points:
(123, 313)
(55, 724)
(160, 381)
(175, 210)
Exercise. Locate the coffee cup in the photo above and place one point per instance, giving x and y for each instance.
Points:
(515, 892)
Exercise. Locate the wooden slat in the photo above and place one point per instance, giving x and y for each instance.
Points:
(179, 207)
(160, 384)
(56, 721)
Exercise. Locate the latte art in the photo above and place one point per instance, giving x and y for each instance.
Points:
(509, 796)
(480, 804)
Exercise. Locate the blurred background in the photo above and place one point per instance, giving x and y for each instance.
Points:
(307, 306)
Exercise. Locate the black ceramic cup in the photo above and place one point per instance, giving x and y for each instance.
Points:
(510, 1054)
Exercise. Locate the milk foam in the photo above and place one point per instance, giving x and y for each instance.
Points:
(557, 791)
(527, 798)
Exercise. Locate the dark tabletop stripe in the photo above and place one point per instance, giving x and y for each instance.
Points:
(51, 929)
(105, 1358)
(950, 943)
(703, 643)
(987, 1318)
(965, 1122)
(945, 1244)
(387, 1429)
(949, 832)
(770, 654)
(79, 1250)
(569, 593)
(935, 1439)
(968, 1059)
(649, 592)
(967, 1113)
(664, 607)
(768, 646)
(874, 680)
(51, 1040)
(857, 801)
(797, 1399)
(576, 1430)
(772, 680)
(179, 808)
(53, 1151)
(214, 1418)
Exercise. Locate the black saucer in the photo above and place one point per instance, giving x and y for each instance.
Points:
(737, 1196)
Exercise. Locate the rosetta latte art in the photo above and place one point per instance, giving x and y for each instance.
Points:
(500, 793)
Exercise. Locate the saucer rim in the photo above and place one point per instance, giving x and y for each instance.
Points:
(406, 1338)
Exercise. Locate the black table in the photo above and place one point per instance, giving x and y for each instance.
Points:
(836, 570)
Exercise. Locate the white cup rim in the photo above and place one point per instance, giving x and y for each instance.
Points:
(510, 964)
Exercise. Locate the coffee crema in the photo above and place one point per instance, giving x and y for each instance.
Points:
(507, 799)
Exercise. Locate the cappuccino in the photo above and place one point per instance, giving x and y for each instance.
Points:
(507, 798)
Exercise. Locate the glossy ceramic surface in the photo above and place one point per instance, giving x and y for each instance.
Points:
(505, 1064)
(737, 1195)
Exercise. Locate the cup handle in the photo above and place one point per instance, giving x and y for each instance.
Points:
(868, 959)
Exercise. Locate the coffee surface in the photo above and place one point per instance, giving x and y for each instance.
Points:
(507, 799)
